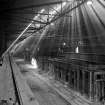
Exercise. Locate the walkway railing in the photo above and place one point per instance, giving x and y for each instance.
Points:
(16, 89)
(17, 92)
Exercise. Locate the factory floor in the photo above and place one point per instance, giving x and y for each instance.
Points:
(47, 90)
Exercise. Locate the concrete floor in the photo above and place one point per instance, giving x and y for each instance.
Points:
(43, 93)
(47, 90)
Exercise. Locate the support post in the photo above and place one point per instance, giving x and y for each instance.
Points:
(83, 82)
(78, 76)
(91, 86)
(75, 79)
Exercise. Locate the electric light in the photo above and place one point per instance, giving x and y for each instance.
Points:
(64, 44)
(52, 12)
(64, 3)
(37, 25)
(77, 49)
(34, 63)
(52, 24)
(89, 2)
(42, 10)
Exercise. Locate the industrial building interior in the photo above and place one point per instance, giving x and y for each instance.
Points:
(52, 52)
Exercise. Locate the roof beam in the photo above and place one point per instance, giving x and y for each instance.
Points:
(53, 20)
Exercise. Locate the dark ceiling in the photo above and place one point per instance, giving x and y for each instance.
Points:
(16, 15)
(77, 24)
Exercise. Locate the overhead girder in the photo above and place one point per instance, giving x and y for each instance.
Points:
(26, 20)
(53, 20)
(82, 38)
(68, 11)
(62, 14)
(32, 28)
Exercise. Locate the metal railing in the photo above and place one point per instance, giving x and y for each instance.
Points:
(17, 92)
